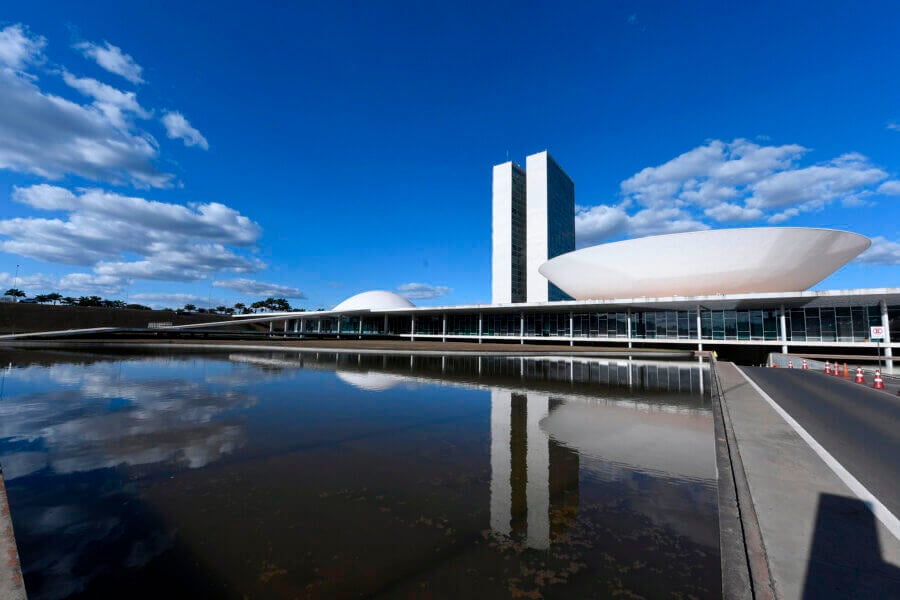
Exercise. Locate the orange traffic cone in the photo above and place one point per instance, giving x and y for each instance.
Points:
(859, 376)
(827, 368)
(805, 366)
(790, 364)
(879, 383)
(846, 372)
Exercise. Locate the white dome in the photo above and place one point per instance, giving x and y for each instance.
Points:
(699, 263)
(374, 300)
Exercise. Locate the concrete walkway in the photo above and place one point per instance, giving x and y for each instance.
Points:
(819, 540)
(12, 586)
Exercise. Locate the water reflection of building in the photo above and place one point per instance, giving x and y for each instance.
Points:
(534, 479)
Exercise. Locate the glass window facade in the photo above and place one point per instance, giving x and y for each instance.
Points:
(821, 324)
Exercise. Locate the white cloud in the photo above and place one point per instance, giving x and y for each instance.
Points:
(259, 288)
(36, 283)
(893, 126)
(889, 188)
(733, 212)
(163, 300)
(177, 127)
(109, 100)
(17, 48)
(598, 223)
(49, 136)
(882, 252)
(730, 182)
(107, 231)
(88, 283)
(422, 291)
(112, 59)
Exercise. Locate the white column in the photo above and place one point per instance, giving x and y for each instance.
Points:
(444, 330)
(782, 324)
(888, 351)
(412, 329)
(571, 329)
(360, 326)
(285, 325)
(628, 325)
(480, 324)
(537, 488)
(501, 462)
(319, 325)
(302, 324)
(699, 331)
(271, 327)
(521, 328)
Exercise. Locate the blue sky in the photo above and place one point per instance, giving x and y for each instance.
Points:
(171, 153)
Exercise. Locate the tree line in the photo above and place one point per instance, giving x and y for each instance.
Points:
(269, 304)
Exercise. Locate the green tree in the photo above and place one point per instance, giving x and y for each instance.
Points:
(54, 297)
(221, 309)
(41, 299)
(69, 300)
(190, 307)
(15, 293)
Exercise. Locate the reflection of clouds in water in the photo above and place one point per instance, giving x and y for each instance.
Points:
(103, 417)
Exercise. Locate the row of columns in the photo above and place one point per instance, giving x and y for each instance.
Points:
(299, 326)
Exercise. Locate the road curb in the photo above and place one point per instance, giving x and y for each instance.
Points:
(12, 586)
(745, 568)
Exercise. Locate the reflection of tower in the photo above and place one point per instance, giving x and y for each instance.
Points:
(532, 477)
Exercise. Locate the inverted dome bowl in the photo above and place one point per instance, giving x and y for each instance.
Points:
(701, 263)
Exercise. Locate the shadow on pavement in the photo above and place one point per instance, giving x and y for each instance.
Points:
(845, 560)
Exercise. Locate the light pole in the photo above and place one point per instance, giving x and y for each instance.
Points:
(16, 281)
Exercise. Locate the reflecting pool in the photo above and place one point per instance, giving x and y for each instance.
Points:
(321, 475)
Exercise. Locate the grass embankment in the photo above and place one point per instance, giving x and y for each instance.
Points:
(26, 318)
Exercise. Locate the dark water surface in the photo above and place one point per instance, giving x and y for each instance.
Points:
(287, 475)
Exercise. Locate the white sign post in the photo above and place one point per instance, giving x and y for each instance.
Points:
(877, 334)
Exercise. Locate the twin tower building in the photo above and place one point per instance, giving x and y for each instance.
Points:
(533, 221)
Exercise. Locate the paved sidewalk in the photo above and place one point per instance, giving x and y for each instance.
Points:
(819, 539)
(12, 587)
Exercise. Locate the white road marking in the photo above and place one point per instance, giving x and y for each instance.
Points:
(886, 517)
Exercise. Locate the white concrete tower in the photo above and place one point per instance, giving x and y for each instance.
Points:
(508, 234)
(550, 215)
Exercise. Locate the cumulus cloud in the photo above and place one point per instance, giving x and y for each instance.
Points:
(106, 230)
(89, 283)
(32, 284)
(259, 288)
(174, 300)
(177, 127)
(18, 48)
(112, 59)
(50, 136)
(889, 188)
(882, 252)
(110, 101)
(422, 291)
(730, 182)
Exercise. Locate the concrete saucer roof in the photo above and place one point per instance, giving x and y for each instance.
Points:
(718, 261)
(373, 300)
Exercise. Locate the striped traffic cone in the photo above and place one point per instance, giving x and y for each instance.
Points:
(805, 366)
(790, 364)
(859, 376)
(827, 368)
(879, 383)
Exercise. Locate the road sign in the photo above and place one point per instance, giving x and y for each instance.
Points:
(876, 333)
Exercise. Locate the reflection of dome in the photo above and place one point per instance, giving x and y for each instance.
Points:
(372, 382)
(374, 300)
(721, 261)
(674, 444)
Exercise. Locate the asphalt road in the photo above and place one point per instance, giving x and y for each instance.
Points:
(859, 426)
